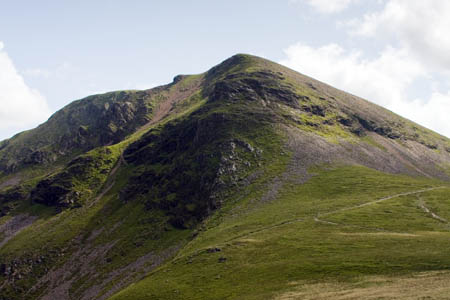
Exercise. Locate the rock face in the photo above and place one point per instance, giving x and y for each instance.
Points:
(197, 160)
(264, 85)
(81, 126)
(48, 192)
(68, 187)
(10, 198)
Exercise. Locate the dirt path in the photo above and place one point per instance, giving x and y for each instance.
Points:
(265, 229)
(319, 220)
(324, 222)
(433, 215)
(245, 235)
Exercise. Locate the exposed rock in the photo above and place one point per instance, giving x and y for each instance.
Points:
(245, 145)
(39, 157)
(178, 78)
(92, 122)
(213, 250)
(60, 189)
(50, 192)
(11, 198)
(261, 85)
(314, 109)
(196, 181)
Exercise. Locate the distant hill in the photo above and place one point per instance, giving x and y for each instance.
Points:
(249, 181)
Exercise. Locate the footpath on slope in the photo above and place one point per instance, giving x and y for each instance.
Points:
(432, 214)
(319, 220)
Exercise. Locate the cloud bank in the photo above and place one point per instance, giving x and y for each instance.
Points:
(420, 26)
(21, 107)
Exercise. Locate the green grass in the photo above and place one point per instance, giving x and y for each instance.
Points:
(54, 231)
(264, 253)
(134, 230)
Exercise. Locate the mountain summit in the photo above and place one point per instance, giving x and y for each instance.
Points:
(249, 181)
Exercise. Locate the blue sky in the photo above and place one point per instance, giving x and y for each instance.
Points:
(392, 52)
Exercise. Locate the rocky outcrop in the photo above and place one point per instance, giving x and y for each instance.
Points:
(188, 165)
(11, 198)
(84, 125)
(262, 85)
(54, 192)
(70, 187)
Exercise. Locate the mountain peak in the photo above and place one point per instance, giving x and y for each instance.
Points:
(237, 62)
(247, 162)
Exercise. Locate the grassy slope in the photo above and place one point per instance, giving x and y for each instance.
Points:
(277, 245)
(83, 125)
(267, 249)
(133, 230)
(53, 238)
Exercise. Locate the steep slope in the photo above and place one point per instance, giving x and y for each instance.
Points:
(95, 121)
(242, 182)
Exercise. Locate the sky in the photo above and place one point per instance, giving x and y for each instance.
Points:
(395, 53)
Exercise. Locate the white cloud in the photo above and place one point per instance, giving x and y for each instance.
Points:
(21, 107)
(328, 6)
(422, 26)
(432, 113)
(384, 80)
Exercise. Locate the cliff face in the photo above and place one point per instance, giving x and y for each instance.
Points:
(114, 185)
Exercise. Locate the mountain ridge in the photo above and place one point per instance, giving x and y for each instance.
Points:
(130, 183)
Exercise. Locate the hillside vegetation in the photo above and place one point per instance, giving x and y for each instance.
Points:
(249, 181)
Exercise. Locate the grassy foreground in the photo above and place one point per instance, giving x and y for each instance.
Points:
(328, 234)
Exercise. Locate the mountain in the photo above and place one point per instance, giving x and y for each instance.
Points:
(249, 181)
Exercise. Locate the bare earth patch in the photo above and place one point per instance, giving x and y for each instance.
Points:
(177, 95)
